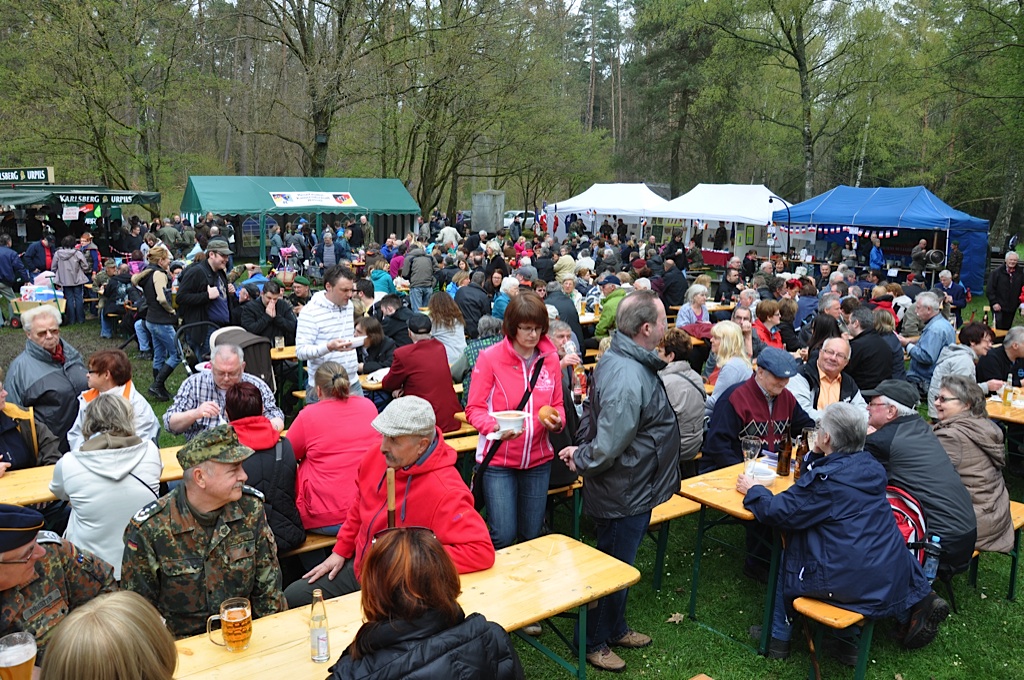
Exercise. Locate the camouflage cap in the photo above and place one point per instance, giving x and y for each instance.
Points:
(218, 444)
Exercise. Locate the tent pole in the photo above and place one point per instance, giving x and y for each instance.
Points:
(263, 239)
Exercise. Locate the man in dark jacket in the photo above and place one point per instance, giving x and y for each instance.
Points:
(870, 356)
(916, 462)
(474, 303)
(204, 294)
(12, 270)
(629, 457)
(1004, 286)
(39, 255)
(395, 319)
(270, 315)
(674, 293)
(545, 265)
(838, 527)
(567, 311)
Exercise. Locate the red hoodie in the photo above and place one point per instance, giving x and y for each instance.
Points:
(256, 432)
(430, 494)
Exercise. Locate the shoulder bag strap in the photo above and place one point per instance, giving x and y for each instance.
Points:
(699, 388)
(526, 397)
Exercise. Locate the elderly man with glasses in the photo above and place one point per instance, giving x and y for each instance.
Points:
(199, 403)
(43, 577)
(916, 462)
(824, 383)
(49, 375)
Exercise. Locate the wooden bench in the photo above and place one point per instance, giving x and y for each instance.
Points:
(827, 614)
(661, 516)
(1017, 517)
(312, 542)
(564, 494)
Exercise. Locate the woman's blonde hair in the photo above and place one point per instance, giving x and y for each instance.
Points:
(730, 342)
(112, 637)
(332, 380)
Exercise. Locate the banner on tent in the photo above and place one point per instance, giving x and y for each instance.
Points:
(299, 199)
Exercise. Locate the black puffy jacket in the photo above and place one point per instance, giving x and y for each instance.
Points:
(271, 469)
(425, 649)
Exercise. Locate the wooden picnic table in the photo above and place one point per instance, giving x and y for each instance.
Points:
(717, 490)
(32, 485)
(286, 353)
(999, 411)
(373, 386)
(558, 573)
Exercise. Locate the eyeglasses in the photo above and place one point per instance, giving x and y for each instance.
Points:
(48, 331)
(833, 353)
(876, 404)
(387, 530)
(942, 400)
(530, 331)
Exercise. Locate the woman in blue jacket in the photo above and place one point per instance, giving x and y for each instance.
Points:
(842, 543)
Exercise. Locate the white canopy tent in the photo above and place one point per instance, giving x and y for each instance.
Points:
(744, 203)
(631, 202)
(738, 203)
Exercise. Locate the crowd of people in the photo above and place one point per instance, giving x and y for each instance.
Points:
(782, 351)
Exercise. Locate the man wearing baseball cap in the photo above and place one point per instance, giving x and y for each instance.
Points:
(204, 294)
(612, 293)
(42, 576)
(428, 493)
(206, 541)
(916, 462)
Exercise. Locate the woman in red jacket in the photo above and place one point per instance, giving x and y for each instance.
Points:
(767, 324)
(516, 481)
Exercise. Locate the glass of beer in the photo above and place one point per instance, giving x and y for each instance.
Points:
(235, 624)
(17, 656)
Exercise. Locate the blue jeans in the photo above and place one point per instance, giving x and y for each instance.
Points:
(74, 307)
(106, 324)
(782, 629)
(516, 500)
(142, 333)
(619, 538)
(165, 351)
(419, 297)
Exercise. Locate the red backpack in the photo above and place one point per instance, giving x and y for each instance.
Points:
(909, 519)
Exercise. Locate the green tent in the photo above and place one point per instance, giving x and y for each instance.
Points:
(386, 202)
(36, 194)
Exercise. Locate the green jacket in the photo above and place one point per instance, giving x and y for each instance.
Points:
(609, 307)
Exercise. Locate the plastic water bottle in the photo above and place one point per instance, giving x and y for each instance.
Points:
(319, 646)
(931, 562)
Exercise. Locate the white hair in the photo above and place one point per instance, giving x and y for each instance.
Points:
(945, 274)
(929, 299)
(508, 284)
(27, 318)
(694, 291)
(643, 283)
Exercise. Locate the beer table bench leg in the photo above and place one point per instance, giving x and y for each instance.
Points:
(697, 552)
(580, 669)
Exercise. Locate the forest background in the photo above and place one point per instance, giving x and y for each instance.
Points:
(537, 98)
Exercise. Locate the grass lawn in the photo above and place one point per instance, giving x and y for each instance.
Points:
(980, 641)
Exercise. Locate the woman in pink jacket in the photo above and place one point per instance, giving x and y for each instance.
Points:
(516, 481)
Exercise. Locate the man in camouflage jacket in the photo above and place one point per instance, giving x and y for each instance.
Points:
(206, 541)
(43, 577)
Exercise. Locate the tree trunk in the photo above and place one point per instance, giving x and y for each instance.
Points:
(1011, 194)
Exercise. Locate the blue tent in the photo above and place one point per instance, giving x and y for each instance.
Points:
(898, 208)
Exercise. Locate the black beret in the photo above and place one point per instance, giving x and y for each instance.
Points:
(18, 526)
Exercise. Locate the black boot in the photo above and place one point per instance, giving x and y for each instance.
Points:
(157, 389)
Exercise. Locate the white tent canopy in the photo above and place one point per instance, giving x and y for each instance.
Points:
(622, 200)
(744, 203)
